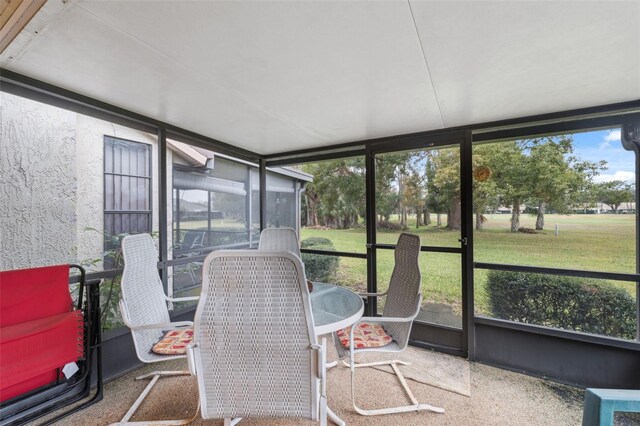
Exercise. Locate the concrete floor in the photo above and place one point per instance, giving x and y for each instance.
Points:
(498, 397)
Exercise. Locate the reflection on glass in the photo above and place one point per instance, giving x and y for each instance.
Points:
(419, 191)
(187, 281)
(565, 201)
(212, 206)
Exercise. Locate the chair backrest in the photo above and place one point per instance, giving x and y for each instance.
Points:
(280, 239)
(142, 292)
(404, 287)
(34, 293)
(253, 328)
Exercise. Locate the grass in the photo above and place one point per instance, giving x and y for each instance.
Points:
(591, 242)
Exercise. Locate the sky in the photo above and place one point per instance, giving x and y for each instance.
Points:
(605, 145)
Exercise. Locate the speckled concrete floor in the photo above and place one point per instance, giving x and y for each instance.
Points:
(498, 397)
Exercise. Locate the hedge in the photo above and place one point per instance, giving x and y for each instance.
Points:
(319, 267)
(578, 304)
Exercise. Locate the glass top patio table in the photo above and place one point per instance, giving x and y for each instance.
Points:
(334, 307)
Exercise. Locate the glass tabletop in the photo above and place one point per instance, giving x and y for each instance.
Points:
(334, 307)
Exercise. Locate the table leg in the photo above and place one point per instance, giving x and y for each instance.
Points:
(334, 418)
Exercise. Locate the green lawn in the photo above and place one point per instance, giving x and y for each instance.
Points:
(592, 242)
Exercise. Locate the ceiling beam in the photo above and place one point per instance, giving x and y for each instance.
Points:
(14, 15)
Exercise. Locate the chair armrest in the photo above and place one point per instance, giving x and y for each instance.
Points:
(191, 358)
(181, 299)
(165, 325)
(392, 319)
(162, 325)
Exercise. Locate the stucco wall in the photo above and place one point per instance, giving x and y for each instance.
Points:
(38, 186)
(52, 183)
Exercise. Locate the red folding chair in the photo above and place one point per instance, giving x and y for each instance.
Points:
(41, 332)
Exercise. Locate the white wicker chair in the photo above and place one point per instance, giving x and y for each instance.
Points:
(280, 239)
(144, 310)
(402, 306)
(255, 351)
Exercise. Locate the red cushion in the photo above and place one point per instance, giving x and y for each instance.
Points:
(29, 294)
(174, 342)
(365, 336)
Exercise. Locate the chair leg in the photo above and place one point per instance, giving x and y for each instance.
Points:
(323, 411)
(232, 422)
(402, 409)
(155, 376)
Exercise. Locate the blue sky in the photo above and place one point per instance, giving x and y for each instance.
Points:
(605, 145)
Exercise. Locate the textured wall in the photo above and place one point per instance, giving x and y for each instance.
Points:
(52, 183)
(37, 184)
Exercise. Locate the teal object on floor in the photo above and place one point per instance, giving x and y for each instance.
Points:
(600, 404)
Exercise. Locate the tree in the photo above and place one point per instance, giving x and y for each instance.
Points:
(392, 171)
(484, 193)
(512, 177)
(413, 195)
(614, 193)
(443, 184)
(336, 196)
(556, 175)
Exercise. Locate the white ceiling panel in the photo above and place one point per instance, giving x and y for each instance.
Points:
(278, 76)
(498, 60)
(266, 76)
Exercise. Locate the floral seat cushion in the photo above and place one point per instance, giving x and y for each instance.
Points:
(365, 336)
(174, 342)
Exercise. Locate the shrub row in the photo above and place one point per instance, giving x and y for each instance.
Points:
(564, 302)
(319, 267)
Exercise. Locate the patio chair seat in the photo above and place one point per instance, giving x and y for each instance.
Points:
(366, 335)
(32, 351)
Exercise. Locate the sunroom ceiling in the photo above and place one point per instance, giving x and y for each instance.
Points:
(278, 76)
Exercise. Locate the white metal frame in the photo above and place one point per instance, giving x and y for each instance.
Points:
(394, 365)
(140, 270)
(406, 272)
(195, 351)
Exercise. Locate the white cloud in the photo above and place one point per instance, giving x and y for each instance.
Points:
(629, 177)
(612, 136)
